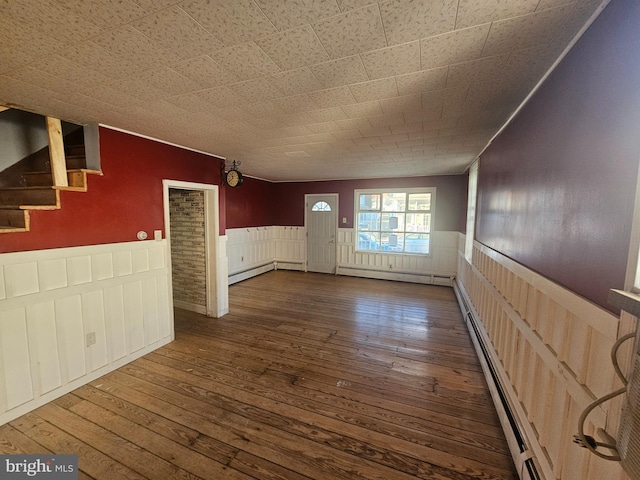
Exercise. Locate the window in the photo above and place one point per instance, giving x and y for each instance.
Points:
(321, 207)
(632, 278)
(393, 220)
(471, 211)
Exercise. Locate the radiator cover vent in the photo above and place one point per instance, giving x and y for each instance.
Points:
(628, 444)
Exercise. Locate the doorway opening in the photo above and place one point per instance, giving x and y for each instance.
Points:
(192, 231)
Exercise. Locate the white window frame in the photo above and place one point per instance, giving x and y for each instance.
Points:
(413, 190)
(471, 211)
(632, 280)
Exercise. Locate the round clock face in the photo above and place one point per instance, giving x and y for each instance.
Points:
(234, 178)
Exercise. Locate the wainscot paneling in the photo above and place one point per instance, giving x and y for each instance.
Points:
(70, 315)
(437, 268)
(551, 351)
(255, 250)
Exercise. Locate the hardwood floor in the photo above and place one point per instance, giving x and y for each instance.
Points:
(308, 376)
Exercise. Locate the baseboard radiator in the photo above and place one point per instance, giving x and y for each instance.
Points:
(520, 452)
(265, 267)
(426, 278)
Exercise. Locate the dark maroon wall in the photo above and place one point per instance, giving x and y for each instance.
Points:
(451, 198)
(251, 204)
(126, 199)
(557, 188)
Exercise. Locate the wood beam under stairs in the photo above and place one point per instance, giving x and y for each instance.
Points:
(56, 152)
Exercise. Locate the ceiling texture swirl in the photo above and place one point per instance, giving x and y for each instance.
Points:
(292, 89)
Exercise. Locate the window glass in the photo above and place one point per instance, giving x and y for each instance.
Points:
(418, 222)
(394, 202)
(321, 207)
(368, 221)
(370, 202)
(368, 241)
(471, 211)
(392, 242)
(419, 201)
(394, 221)
(417, 243)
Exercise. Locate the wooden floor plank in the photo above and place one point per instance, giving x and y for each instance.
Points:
(290, 390)
(283, 409)
(309, 376)
(130, 454)
(179, 455)
(174, 431)
(90, 459)
(317, 417)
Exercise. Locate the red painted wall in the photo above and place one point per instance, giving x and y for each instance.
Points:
(451, 198)
(251, 204)
(557, 188)
(126, 199)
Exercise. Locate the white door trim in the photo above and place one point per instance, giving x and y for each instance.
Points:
(216, 292)
(307, 196)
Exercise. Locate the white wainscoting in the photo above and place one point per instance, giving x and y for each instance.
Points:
(52, 300)
(256, 250)
(221, 278)
(439, 268)
(551, 349)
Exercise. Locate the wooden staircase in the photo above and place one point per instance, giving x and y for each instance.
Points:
(35, 188)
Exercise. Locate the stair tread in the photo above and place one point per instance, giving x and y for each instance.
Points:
(12, 229)
(36, 187)
(45, 172)
(71, 188)
(29, 207)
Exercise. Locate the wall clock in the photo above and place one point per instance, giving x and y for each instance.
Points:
(234, 177)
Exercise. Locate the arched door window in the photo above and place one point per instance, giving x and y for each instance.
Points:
(321, 207)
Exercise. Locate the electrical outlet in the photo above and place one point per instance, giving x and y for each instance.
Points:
(91, 338)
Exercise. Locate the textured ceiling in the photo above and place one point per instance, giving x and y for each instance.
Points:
(293, 89)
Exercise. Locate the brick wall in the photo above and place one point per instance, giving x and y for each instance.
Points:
(188, 248)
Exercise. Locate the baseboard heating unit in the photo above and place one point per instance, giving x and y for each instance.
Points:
(523, 457)
(445, 280)
(265, 267)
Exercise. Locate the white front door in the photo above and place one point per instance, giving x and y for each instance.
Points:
(321, 221)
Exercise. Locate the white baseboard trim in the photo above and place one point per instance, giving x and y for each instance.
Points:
(192, 307)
